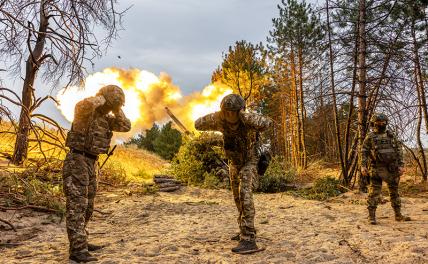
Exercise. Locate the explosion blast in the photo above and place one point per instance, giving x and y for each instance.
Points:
(146, 97)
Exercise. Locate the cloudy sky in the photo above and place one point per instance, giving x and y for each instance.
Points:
(184, 38)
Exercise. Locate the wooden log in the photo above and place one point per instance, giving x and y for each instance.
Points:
(168, 184)
(164, 180)
(170, 189)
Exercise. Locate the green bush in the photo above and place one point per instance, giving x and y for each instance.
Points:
(322, 189)
(277, 177)
(164, 141)
(199, 160)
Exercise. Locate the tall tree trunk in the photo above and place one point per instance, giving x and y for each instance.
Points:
(347, 151)
(419, 78)
(362, 75)
(302, 110)
(31, 68)
(297, 120)
(419, 141)
(336, 118)
(422, 107)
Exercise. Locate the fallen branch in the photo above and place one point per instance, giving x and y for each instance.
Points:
(8, 223)
(34, 207)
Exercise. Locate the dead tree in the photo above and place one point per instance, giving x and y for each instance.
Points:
(57, 41)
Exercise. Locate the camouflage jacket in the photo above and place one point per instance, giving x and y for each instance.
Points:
(92, 130)
(239, 144)
(378, 145)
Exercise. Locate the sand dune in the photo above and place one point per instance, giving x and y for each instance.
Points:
(194, 226)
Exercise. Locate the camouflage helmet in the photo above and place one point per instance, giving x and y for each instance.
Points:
(113, 94)
(379, 120)
(232, 102)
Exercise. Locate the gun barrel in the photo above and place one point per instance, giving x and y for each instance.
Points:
(175, 119)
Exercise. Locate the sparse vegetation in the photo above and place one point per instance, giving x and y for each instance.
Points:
(277, 178)
(322, 189)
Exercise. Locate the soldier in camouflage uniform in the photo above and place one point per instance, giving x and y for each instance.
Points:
(382, 160)
(90, 135)
(239, 130)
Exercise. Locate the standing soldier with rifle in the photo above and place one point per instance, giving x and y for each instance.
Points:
(90, 135)
(239, 130)
(382, 160)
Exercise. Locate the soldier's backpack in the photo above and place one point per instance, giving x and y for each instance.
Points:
(385, 149)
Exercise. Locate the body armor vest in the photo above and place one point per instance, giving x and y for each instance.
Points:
(239, 143)
(97, 138)
(385, 150)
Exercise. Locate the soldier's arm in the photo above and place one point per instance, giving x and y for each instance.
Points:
(365, 151)
(120, 123)
(210, 122)
(84, 110)
(256, 121)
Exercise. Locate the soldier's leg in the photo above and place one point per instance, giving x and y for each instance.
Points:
(248, 176)
(92, 189)
(75, 182)
(374, 197)
(234, 185)
(394, 195)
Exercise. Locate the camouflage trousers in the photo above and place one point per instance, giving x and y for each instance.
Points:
(79, 183)
(243, 180)
(377, 176)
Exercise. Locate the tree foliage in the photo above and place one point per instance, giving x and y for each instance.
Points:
(164, 141)
(244, 69)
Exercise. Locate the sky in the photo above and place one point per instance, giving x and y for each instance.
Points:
(184, 38)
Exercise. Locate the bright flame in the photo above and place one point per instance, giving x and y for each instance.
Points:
(146, 96)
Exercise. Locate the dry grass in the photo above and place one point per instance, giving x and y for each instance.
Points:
(134, 165)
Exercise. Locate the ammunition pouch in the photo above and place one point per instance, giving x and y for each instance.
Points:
(75, 140)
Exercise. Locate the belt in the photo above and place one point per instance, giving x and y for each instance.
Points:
(83, 153)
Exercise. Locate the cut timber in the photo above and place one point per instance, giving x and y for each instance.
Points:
(166, 183)
(170, 189)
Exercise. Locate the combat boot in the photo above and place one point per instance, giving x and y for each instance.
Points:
(82, 257)
(399, 217)
(236, 237)
(93, 247)
(372, 216)
(246, 247)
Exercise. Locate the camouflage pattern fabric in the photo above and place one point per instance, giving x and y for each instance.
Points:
(80, 186)
(239, 145)
(90, 135)
(376, 146)
(377, 176)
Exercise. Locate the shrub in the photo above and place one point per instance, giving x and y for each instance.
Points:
(322, 189)
(199, 161)
(277, 177)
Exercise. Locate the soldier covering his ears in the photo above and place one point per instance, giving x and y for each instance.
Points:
(90, 135)
(382, 160)
(239, 130)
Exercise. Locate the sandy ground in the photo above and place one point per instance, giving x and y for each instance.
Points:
(194, 226)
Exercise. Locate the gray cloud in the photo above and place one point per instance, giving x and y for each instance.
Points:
(186, 38)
